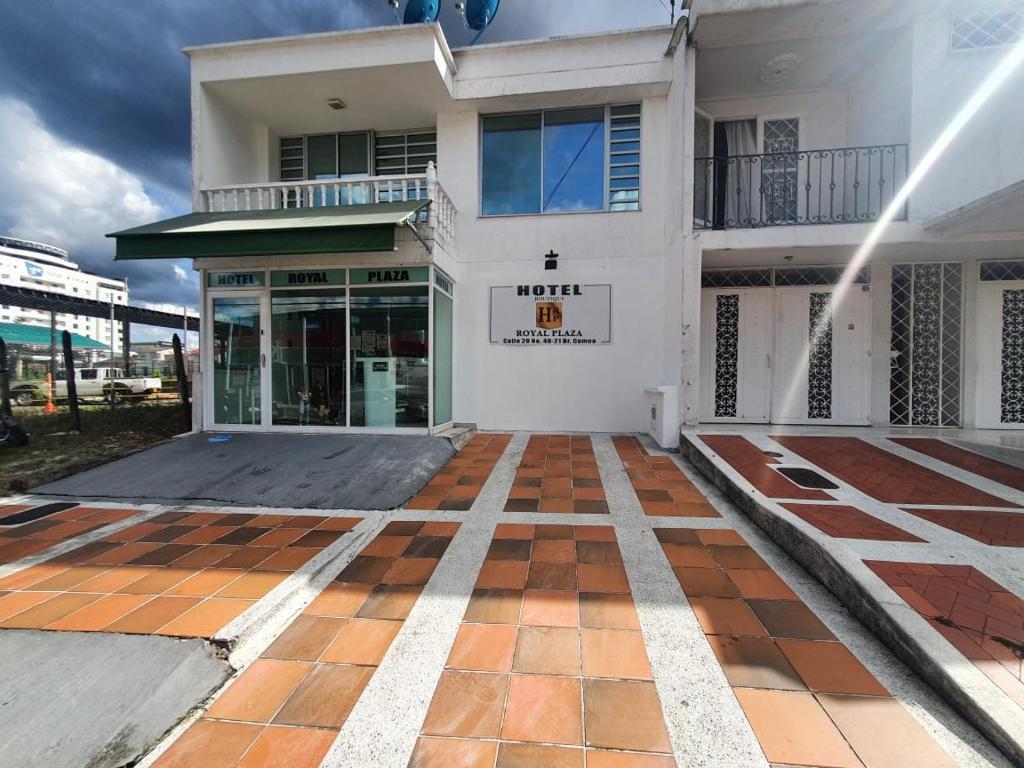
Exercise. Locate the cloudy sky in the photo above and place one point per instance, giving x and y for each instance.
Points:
(94, 105)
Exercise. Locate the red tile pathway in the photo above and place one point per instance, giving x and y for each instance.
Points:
(999, 529)
(752, 463)
(809, 701)
(660, 485)
(981, 619)
(558, 473)
(844, 522)
(549, 666)
(287, 707)
(972, 462)
(884, 475)
(19, 541)
(181, 573)
(458, 484)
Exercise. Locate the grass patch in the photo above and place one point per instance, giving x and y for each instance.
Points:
(107, 433)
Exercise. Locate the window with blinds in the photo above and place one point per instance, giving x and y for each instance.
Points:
(404, 153)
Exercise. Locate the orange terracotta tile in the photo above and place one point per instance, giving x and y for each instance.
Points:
(830, 667)
(304, 639)
(755, 662)
(289, 559)
(387, 546)
(31, 575)
(793, 729)
(362, 641)
(252, 585)
(502, 574)
(153, 615)
(790, 619)
(260, 691)
(205, 619)
(549, 609)
(602, 578)
(723, 536)
(452, 753)
(543, 709)
(340, 600)
(705, 582)
(210, 744)
(483, 648)
(513, 531)
(558, 576)
(14, 603)
(759, 584)
(44, 613)
(205, 583)
(615, 653)
(280, 747)
(721, 616)
(554, 551)
(689, 555)
(536, 756)
(593, 533)
(325, 697)
(603, 759)
(494, 606)
(69, 578)
(410, 571)
(467, 704)
(608, 611)
(623, 714)
(389, 601)
(547, 651)
(100, 613)
(157, 582)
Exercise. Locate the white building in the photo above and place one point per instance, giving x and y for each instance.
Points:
(704, 188)
(40, 267)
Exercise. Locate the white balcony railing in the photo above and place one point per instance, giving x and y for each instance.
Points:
(274, 195)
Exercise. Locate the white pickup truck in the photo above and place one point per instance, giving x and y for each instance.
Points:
(89, 382)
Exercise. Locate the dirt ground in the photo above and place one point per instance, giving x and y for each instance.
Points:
(54, 451)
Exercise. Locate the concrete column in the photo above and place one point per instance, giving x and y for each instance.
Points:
(689, 390)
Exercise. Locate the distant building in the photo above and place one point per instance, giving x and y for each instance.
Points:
(41, 267)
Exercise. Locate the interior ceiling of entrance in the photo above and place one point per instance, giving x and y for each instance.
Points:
(296, 104)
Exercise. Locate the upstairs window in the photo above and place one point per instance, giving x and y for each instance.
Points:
(986, 28)
(404, 154)
(325, 156)
(561, 161)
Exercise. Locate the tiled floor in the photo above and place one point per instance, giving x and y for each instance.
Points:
(972, 462)
(183, 574)
(557, 474)
(984, 621)
(287, 707)
(808, 699)
(753, 464)
(20, 541)
(457, 485)
(884, 475)
(845, 522)
(661, 487)
(549, 667)
(1000, 529)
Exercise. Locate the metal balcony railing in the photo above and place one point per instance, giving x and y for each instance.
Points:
(847, 185)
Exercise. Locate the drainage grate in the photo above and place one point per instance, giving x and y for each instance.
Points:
(28, 515)
(806, 478)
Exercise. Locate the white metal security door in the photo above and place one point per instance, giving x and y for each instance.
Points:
(1001, 355)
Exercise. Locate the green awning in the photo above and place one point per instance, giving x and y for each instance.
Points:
(336, 228)
(39, 336)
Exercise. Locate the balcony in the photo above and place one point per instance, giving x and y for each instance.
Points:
(848, 185)
(439, 218)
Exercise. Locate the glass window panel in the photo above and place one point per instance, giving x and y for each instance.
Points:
(625, 158)
(236, 361)
(624, 135)
(511, 164)
(322, 157)
(442, 358)
(626, 183)
(625, 146)
(354, 149)
(389, 347)
(625, 170)
(574, 160)
(626, 109)
(308, 375)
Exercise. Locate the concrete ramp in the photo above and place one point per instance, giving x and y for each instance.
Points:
(74, 699)
(274, 470)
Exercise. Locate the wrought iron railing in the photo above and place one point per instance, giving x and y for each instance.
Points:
(814, 186)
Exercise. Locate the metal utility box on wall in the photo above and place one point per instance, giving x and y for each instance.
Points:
(663, 415)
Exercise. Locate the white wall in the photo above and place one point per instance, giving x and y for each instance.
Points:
(233, 149)
(823, 114)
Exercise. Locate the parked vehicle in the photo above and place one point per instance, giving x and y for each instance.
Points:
(108, 383)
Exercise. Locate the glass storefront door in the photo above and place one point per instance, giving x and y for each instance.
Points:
(237, 385)
(389, 348)
(307, 349)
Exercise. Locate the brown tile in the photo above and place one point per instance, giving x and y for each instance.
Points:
(54, 609)
(787, 618)
(723, 536)
(676, 536)
(502, 574)
(387, 546)
(561, 576)
(288, 559)
(723, 616)
(522, 531)
(362, 641)
(153, 615)
(608, 611)
(602, 578)
(210, 744)
(252, 585)
(390, 601)
(737, 557)
(340, 600)
(830, 667)
(537, 756)
(689, 555)
(164, 555)
(410, 571)
(883, 733)
(509, 549)
(603, 759)
(754, 662)
(543, 709)
(366, 570)
(96, 615)
(547, 532)
(203, 557)
(758, 584)
(590, 507)
(402, 528)
(547, 651)
(428, 546)
(793, 729)
(483, 648)
(305, 639)
(317, 539)
(598, 552)
(259, 691)
(69, 578)
(549, 609)
(615, 653)
(624, 715)
(521, 505)
(554, 551)
(281, 747)
(325, 697)
(452, 753)
(494, 606)
(467, 704)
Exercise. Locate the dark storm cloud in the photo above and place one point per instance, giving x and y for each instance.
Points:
(108, 76)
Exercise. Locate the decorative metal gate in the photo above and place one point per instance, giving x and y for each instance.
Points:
(927, 322)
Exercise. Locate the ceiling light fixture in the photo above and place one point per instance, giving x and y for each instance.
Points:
(335, 103)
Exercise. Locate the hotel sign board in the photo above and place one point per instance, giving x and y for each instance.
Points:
(236, 279)
(551, 314)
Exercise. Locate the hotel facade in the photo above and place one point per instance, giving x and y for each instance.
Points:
(772, 212)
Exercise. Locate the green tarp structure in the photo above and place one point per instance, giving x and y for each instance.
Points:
(39, 336)
(328, 229)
